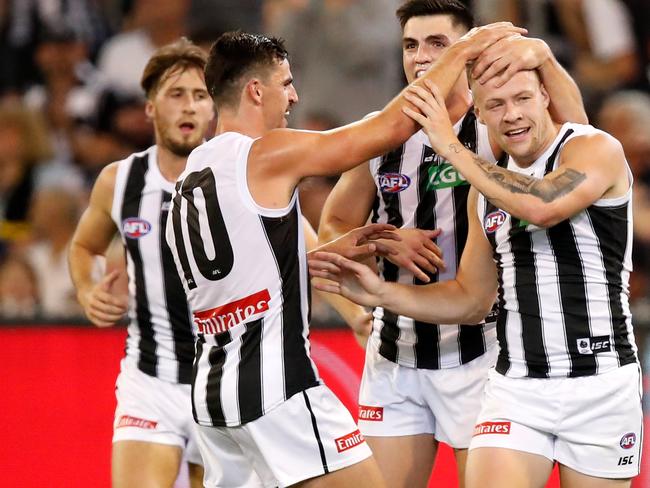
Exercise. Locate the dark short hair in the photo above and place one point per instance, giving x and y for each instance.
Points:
(179, 55)
(458, 12)
(233, 56)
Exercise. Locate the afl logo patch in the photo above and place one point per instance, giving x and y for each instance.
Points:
(134, 228)
(628, 440)
(494, 220)
(393, 182)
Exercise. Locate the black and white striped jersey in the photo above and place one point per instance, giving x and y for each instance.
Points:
(160, 338)
(563, 291)
(418, 188)
(245, 274)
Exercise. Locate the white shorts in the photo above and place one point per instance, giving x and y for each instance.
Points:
(309, 435)
(397, 400)
(591, 424)
(152, 410)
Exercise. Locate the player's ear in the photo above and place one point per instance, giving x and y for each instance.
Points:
(149, 110)
(254, 90)
(545, 97)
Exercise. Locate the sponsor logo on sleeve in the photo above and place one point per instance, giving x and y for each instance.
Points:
(594, 345)
(134, 227)
(371, 414)
(628, 440)
(492, 428)
(224, 317)
(128, 421)
(393, 182)
(349, 441)
(493, 221)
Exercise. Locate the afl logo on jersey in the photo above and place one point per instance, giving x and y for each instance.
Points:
(134, 228)
(494, 220)
(628, 440)
(393, 182)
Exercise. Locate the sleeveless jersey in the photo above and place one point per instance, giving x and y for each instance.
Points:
(563, 291)
(418, 188)
(245, 274)
(160, 338)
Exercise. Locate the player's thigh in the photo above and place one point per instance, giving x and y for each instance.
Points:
(411, 468)
(570, 478)
(138, 464)
(365, 474)
(196, 473)
(461, 464)
(495, 467)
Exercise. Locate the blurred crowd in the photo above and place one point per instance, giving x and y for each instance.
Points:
(70, 102)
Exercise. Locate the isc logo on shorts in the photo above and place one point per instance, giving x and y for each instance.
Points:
(128, 421)
(371, 414)
(628, 440)
(594, 345)
(492, 428)
(349, 441)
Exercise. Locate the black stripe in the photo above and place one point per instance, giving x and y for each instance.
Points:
(571, 279)
(503, 364)
(427, 345)
(176, 304)
(314, 425)
(389, 334)
(249, 389)
(282, 235)
(550, 162)
(528, 300)
(216, 359)
(195, 370)
(611, 227)
(135, 182)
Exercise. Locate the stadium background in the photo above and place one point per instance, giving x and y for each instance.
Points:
(70, 104)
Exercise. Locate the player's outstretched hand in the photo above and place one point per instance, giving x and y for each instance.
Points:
(352, 280)
(432, 115)
(417, 252)
(102, 307)
(509, 55)
(363, 242)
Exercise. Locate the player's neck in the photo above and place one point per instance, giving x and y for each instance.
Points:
(244, 121)
(170, 165)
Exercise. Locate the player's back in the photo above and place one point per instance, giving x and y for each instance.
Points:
(244, 271)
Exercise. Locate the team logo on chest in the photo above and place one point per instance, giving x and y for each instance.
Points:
(493, 221)
(134, 227)
(393, 182)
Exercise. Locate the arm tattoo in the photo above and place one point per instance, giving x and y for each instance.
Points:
(546, 189)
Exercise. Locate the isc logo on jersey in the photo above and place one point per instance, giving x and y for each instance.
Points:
(493, 221)
(393, 182)
(134, 228)
(444, 175)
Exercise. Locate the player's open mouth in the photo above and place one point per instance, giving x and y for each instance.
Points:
(517, 134)
(420, 72)
(186, 127)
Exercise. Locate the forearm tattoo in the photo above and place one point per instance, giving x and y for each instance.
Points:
(547, 190)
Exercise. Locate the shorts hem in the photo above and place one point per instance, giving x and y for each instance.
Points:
(331, 468)
(513, 448)
(133, 436)
(600, 474)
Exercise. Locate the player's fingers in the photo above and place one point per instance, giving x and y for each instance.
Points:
(503, 77)
(416, 116)
(383, 249)
(328, 287)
